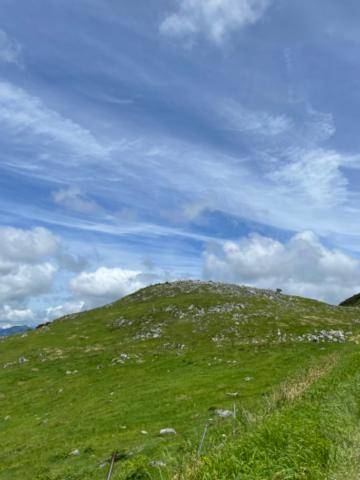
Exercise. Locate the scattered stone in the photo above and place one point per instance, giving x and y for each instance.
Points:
(23, 360)
(157, 463)
(143, 432)
(223, 413)
(233, 394)
(75, 452)
(7, 418)
(167, 431)
(248, 379)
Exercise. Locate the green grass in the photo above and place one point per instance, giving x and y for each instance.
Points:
(297, 408)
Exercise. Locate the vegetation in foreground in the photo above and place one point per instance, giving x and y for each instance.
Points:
(271, 380)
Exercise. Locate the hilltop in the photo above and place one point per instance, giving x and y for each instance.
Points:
(273, 377)
(353, 301)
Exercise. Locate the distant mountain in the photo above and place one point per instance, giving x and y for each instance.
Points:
(353, 301)
(5, 332)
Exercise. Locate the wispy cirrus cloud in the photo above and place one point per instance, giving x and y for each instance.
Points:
(25, 115)
(314, 175)
(10, 49)
(74, 199)
(213, 19)
(242, 120)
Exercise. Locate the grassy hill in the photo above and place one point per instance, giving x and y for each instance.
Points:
(353, 301)
(272, 380)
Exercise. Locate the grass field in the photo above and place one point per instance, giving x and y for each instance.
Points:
(181, 355)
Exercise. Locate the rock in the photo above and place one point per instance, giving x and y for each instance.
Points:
(75, 452)
(157, 463)
(248, 379)
(167, 431)
(223, 413)
(23, 360)
(144, 432)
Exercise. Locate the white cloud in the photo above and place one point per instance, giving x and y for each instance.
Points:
(214, 19)
(301, 266)
(64, 309)
(25, 267)
(10, 50)
(16, 316)
(23, 114)
(314, 175)
(27, 246)
(23, 280)
(106, 284)
(73, 199)
(243, 120)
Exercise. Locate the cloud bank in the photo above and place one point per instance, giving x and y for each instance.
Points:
(301, 266)
(25, 266)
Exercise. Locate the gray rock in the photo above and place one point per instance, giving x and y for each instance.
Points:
(167, 431)
(75, 452)
(223, 413)
(157, 463)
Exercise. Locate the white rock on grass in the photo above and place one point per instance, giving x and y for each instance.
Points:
(224, 413)
(157, 463)
(167, 431)
(75, 452)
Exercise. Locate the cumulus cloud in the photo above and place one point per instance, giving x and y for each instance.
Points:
(74, 199)
(22, 281)
(16, 316)
(27, 246)
(64, 309)
(10, 50)
(107, 284)
(301, 266)
(214, 19)
(25, 266)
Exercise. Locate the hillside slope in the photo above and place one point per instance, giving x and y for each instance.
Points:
(181, 356)
(353, 301)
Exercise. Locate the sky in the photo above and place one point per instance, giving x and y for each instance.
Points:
(148, 141)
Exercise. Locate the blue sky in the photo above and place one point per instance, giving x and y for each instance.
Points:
(146, 141)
